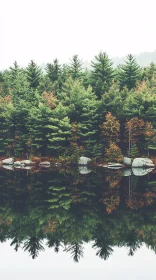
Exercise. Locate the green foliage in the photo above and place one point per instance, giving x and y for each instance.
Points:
(38, 110)
(75, 70)
(102, 74)
(59, 130)
(129, 73)
(54, 73)
(149, 73)
(33, 73)
(37, 129)
(134, 151)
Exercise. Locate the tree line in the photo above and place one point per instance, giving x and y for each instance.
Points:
(68, 111)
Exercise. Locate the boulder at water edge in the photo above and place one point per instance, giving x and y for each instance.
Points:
(8, 161)
(26, 162)
(114, 164)
(17, 163)
(84, 160)
(127, 161)
(142, 162)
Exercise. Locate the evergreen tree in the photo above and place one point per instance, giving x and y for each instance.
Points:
(89, 123)
(21, 89)
(4, 88)
(4, 125)
(33, 72)
(53, 70)
(18, 133)
(37, 129)
(129, 73)
(113, 101)
(59, 130)
(149, 73)
(102, 74)
(13, 73)
(75, 69)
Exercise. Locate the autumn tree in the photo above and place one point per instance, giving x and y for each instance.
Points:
(137, 132)
(110, 129)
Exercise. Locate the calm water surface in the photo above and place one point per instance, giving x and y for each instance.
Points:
(63, 224)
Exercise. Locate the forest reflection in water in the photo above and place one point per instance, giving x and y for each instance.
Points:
(65, 209)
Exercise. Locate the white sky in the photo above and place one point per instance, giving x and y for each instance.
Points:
(45, 29)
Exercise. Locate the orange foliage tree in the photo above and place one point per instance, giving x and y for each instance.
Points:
(50, 99)
(110, 129)
(138, 131)
(113, 153)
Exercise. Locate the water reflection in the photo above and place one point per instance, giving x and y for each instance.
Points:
(63, 209)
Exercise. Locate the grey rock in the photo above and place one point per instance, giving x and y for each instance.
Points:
(114, 164)
(127, 161)
(141, 171)
(114, 167)
(84, 170)
(142, 162)
(17, 163)
(84, 160)
(8, 161)
(26, 162)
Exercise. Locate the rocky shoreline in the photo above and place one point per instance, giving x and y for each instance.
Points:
(137, 166)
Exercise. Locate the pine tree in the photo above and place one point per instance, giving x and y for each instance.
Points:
(4, 122)
(33, 72)
(59, 131)
(89, 123)
(75, 69)
(37, 122)
(102, 74)
(149, 73)
(129, 73)
(17, 128)
(53, 70)
(13, 73)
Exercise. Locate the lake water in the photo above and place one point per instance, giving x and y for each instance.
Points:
(63, 224)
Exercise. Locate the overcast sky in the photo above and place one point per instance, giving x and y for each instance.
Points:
(45, 29)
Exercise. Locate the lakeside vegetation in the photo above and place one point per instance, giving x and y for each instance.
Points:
(66, 111)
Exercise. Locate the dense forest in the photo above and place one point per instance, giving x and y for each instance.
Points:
(66, 111)
(63, 210)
